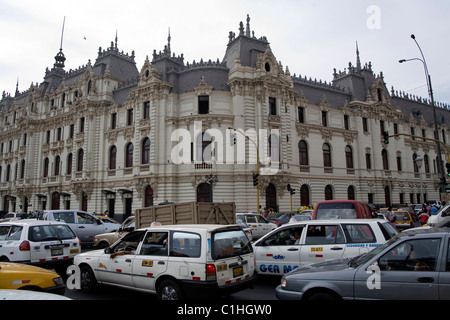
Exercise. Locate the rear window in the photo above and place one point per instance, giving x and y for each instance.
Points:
(336, 211)
(50, 232)
(229, 243)
(359, 233)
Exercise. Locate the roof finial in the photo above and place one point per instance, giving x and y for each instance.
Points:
(59, 58)
(168, 42)
(247, 31)
(115, 44)
(358, 61)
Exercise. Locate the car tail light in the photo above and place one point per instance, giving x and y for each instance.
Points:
(210, 272)
(24, 246)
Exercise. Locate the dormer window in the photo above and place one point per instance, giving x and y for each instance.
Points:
(203, 104)
(267, 67)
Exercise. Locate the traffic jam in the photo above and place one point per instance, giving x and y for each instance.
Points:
(339, 250)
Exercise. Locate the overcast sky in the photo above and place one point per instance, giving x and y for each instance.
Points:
(311, 37)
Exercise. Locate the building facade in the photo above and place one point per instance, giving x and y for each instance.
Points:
(112, 136)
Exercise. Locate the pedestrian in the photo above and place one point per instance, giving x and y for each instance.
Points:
(433, 210)
(423, 217)
(391, 215)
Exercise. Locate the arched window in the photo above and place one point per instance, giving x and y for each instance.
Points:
(112, 157)
(80, 159)
(304, 195)
(46, 163)
(328, 192)
(148, 197)
(129, 155)
(145, 155)
(326, 155)
(351, 193)
(303, 153)
(384, 156)
(349, 157)
(57, 166)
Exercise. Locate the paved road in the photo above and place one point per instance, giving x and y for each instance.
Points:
(264, 289)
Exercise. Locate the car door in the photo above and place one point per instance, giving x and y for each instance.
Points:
(279, 252)
(152, 259)
(444, 275)
(322, 242)
(408, 271)
(115, 265)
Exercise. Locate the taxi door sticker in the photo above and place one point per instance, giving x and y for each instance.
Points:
(101, 265)
(316, 249)
(147, 263)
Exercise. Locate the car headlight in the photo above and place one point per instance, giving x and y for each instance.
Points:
(58, 281)
(283, 283)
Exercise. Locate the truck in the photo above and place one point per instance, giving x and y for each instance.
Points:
(223, 213)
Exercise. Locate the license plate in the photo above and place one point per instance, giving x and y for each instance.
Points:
(221, 267)
(237, 272)
(73, 251)
(57, 252)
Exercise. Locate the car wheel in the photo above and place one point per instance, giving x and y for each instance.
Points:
(88, 282)
(169, 290)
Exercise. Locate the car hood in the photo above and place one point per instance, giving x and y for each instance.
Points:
(330, 266)
(10, 267)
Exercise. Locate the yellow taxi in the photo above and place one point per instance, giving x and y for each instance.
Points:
(403, 220)
(27, 277)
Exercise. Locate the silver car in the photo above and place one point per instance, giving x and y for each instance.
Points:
(410, 266)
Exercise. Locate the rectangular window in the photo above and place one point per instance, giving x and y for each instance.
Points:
(368, 161)
(146, 111)
(365, 127)
(82, 120)
(272, 106)
(324, 118)
(203, 104)
(346, 122)
(71, 131)
(301, 114)
(185, 244)
(130, 117)
(359, 233)
(113, 120)
(155, 244)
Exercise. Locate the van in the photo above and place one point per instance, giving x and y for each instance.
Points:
(341, 209)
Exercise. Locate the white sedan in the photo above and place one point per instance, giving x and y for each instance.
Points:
(303, 243)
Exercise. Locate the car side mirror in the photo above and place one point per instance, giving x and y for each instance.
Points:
(99, 222)
(107, 250)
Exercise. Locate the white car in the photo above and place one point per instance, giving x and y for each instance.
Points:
(40, 243)
(85, 225)
(438, 217)
(298, 244)
(173, 261)
(257, 224)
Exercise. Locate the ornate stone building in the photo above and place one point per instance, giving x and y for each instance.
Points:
(105, 136)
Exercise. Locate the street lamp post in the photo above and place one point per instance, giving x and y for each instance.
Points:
(430, 92)
(419, 161)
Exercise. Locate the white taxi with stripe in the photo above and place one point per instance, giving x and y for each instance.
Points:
(173, 261)
(303, 243)
(41, 243)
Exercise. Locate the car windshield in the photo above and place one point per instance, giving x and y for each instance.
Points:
(50, 232)
(336, 211)
(362, 259)
(229, 243)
